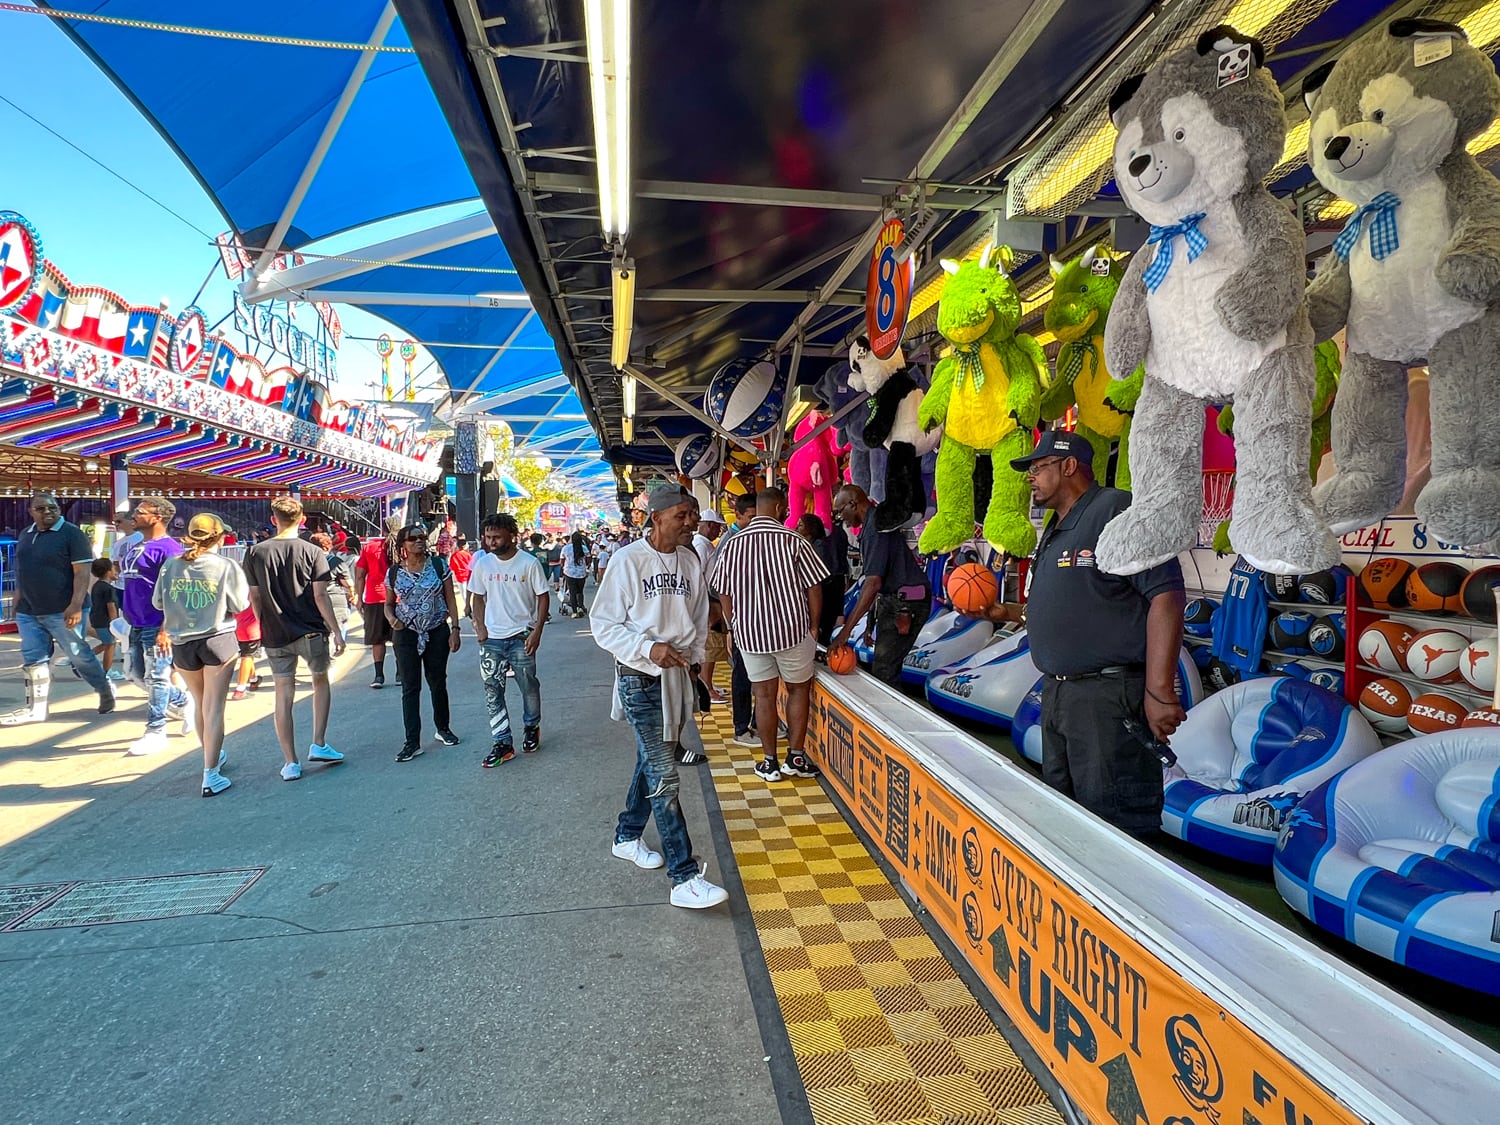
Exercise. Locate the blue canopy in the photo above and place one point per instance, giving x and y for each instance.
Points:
(296, 142)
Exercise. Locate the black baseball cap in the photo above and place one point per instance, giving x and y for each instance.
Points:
(1057, 443)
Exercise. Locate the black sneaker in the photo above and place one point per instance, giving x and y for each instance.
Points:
(767, 769)
(500, 752)
(378, 682)
(533, 740)
(408, 752)
(447, 737)
(692, 758)
(799, 765)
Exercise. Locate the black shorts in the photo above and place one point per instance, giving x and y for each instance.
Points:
(377, 628)
(249, 648)
(204, 652)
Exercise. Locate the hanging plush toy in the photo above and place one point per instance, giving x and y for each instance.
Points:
(1215, 308)
(812, 472)
(986, 394)
(866, 465)
(1326, 358)
(1413, 274)
(1082, 292)
(894, 400)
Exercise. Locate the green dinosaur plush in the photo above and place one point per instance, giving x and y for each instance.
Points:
(1082, 292)
(1330, 366)
(986, 393)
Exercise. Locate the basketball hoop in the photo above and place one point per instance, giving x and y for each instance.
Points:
(1218, 500)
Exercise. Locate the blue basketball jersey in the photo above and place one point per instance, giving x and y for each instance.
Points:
(1241, 619)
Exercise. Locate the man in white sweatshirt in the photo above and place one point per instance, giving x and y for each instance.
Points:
(651, 615)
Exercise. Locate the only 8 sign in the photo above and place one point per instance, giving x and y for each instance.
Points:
(888, 291)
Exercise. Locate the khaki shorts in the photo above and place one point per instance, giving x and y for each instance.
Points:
(312, 648)
(793, 665)
(716, 647)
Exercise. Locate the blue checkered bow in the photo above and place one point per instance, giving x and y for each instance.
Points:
(1383, 240)
(1161, 238)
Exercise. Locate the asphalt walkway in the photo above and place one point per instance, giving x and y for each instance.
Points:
(424, 942)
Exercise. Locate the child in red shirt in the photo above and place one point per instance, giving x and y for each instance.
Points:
(247, 633)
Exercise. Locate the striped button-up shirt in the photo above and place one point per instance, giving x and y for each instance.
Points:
(765, 571)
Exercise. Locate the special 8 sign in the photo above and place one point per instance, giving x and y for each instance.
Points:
(888, 291)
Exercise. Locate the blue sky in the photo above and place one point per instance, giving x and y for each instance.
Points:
(98, 230)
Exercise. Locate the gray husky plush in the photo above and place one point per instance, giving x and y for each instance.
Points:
(1415, 274)
(1215, 307)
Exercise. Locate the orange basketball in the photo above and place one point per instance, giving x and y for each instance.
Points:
(1433, 711)
(1385, 702)
(1435, 587)
(841, 660)
(1382, 583)
(1482, 717)
(972, 588)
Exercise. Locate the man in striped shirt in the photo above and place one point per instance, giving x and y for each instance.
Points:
(769, 582)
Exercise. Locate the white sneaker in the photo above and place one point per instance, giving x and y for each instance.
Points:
(698, 893)
(214, 782)
(291, 771)
(152, 742)
(189, 718)
(62, 662)
(316, 753)
(638, 853)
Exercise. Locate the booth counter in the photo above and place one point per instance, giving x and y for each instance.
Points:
(1150, 994)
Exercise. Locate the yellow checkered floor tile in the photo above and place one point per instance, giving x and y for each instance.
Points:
(883, 1028)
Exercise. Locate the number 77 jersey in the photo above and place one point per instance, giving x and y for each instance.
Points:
(1239, 624)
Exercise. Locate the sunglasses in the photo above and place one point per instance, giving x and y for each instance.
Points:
(422, 539)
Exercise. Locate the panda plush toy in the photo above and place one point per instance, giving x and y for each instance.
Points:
(892, 423)
(1214, 306)
(1415, 275)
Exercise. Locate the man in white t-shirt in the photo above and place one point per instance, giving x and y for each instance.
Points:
(509, 593)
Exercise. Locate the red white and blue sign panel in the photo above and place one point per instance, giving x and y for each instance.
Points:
(888, 291)
(20, 259)
(187, 341)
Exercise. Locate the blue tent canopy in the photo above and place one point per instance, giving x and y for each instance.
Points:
(299, 142)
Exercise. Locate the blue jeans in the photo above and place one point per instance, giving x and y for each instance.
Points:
(494, 655)
(653, 789)
(39, 631)
(147, 665)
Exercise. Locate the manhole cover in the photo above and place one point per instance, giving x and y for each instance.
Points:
(48, 906)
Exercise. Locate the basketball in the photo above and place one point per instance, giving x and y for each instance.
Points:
(1383, 645)
(1436, 587)
(1219, 675)
(744, 396)
(1288, 631)
(1435, 655)
(697, 456)
(1198, 617)
(1476, 597)
(1325, 637)
(1325, 587)
(1477, 666)
(972, 588)
(1385, 702)
(841, 660)
(1281, 587)
(1481, 717)
(1431, 712)
(1329, 679)
(1382, 583)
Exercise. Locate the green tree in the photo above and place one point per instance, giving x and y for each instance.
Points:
(532, 472)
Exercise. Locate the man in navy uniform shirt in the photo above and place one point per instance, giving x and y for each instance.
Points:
(1106, 644)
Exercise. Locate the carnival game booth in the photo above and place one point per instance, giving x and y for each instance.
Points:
(99, 398)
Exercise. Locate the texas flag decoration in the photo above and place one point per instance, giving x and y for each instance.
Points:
(189, 338)
(140, 332)
(44, 306)
(95, 316)
(220, 363)
(20, 259)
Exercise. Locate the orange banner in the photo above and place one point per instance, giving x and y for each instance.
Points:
(1123, 1033)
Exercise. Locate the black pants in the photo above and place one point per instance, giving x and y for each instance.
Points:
(574, 588)
(433, 663)
(741, 694)
(834, 588)
(1088, 755)
(891, 645)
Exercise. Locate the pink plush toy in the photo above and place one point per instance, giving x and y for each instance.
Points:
(812, 472)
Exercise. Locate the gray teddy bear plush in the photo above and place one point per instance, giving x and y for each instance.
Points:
(1215, 307)
(1414, 274)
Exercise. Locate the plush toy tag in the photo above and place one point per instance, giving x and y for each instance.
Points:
(1099, 267)
(1234, 62)
(1427, 49)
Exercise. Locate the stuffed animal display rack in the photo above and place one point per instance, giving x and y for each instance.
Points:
(1415, 275)
(1215, 307)
(986, 393)
(892, 422)
(1082, 292)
